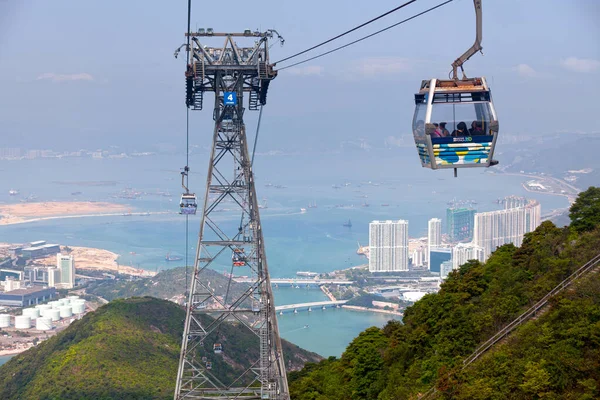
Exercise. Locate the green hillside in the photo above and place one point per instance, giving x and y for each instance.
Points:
(555, 356)
(168, 284)
(127, 349)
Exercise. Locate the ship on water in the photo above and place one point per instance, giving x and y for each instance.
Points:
(169, 257)
(13, 192)
(312, 204)
(302, 210)
(348, 224)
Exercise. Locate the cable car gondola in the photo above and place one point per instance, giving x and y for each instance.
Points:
(217, 348)
(455, 123)
(188, 204)
(238, 258)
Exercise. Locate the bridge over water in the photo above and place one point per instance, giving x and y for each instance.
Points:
(309, 306)
(299, 282)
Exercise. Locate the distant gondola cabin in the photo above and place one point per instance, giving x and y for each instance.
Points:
(188, 204)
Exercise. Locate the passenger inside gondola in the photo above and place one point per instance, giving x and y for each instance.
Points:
(437, 132)
(443, 129)
(419, 128)
(461, 130)
(476, 128)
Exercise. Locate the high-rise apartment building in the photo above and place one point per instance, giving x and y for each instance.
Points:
(388, 246)
(66, 266)
(463, 252)
(495, 228)
(434, 235)
(459, 224)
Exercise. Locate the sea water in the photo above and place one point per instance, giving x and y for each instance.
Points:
(312, 241)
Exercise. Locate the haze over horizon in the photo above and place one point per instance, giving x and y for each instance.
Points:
(93, 75)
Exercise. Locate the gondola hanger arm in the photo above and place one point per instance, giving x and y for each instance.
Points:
(458, 63)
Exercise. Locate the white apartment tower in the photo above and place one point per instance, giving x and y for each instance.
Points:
(495, 228)
(66, 266)
(434, 236)
(463, 252)
(388, 246)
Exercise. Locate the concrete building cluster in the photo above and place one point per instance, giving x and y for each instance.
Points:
(470, 236)
(36, 284)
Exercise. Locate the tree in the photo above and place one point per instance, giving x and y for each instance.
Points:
(585, 212)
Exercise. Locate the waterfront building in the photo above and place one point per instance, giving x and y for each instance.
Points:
(463, 252)
(11, 284)
(460, 223)
(53, 277)
(66, 265)
(434, 235)
(437, 255)
(43, 250)
(388, 246)
(27, 297)
(445, 269)
(495, 228)
(10, 274)
(36, 274)
(417, 257)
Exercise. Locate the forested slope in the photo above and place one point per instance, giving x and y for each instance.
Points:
(402, 360)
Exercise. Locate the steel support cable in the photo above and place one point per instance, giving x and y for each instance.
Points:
(366, 37)
(347, 32)
(256, 136)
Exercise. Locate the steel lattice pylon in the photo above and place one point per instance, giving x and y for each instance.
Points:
(212, 365)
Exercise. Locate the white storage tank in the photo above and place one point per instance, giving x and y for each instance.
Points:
(43, 307)
(54, 314)
(45, 313)
(66, 301)
(43, 324)
(4, 320)
(22, 322)
(66, 312)
(54, 304)
(78, 308)
(72, 297)
(33, 313)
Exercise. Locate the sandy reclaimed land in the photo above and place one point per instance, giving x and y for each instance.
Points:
(97, 260)
(23, 212)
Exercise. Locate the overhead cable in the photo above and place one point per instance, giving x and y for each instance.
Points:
(347, 32)
(366, 37)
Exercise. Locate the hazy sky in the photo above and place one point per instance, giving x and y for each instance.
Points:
(87, 74)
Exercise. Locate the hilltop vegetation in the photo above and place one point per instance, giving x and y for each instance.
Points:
(127, 349)
(169, 284)
(555, 356)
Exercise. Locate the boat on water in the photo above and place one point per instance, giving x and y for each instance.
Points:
(348, 224)
(75, 193)
(302, 210)
(312, 204)
(13, 192)
(385, 205)
(169, 257)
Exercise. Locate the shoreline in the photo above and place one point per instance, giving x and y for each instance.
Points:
(556, 181)
(36, 211)
(366, 309)
(38, 219)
